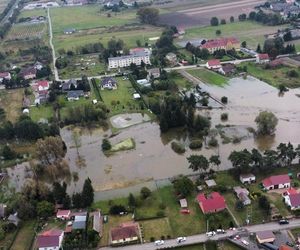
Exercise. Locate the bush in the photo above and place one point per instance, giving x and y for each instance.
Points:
(224, 116)
(145, 193)
(196, 144)
(224, 99)
(117, 209)
(213, 142)
(162, 206)
(106, 145)
(152, 239)
(293, 73)
(178, 147)
(160, 214)
(223, 21)
(236, 140)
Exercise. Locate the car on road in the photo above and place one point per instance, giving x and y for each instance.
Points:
(221, 231)
(237, 237)
(181, 239)
(246, 243)
(210, 234)
(159, 242)
(283, 222)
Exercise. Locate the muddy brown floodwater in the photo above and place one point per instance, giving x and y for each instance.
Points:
(153, 158)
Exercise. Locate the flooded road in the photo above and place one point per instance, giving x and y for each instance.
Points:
(153, 158)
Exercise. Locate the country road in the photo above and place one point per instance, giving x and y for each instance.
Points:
(200, 238)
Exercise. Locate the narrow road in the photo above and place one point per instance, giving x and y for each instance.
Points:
(15, 5)
(200, 238)
(55, 71)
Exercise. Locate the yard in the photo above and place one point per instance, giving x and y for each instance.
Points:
(11, 101)
(156, 228)
(24, 239)
(251, 32)
(208, 76)
(276, 76)
(44, 111)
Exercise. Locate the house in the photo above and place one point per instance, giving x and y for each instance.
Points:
(172, 58)
(13, 218)
(265, 237)
(50, 240)
(41, 97)
(69, 31)
(80, 222)
(227, 69)
(211, 203)
(262, 58)
(41, 85)
(4, 75)
(183, 203)
(97, 222)
(28, 73)
(213, 64)
(143, 82)
(74, 95)
(223, 43)
(71, 84)
(242, 195)
(63, 214)
(247, 178)
(153, 73)
(276, 182)
(2, 210)
(108, 83)
(136, 56)
(292, 199)
(125, 233)
(38, 65)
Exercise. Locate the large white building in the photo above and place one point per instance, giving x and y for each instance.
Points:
(136, 56)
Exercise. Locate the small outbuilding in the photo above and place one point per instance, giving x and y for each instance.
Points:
(247, 178)
(136, 96)
(183, 203)
(265, 237)
(211, 183)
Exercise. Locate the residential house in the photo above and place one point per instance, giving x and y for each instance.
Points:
(50, 240)
(71, 84)
(247, 178)
(28, 73)
(153, 73)
(74, 95)
(63, 214)
(108, 83)
(211, 203)
(13, 218)
(265, 237)
(227, 69)
(125, 233)
(69, 31)
(2, 210)
(41, 86)
(172, 58)
(136, 56)
(4, 75)
(292, 198)
(222, 43)
(262, 58)
(276, 182)
(41, 97)
(97, 222)
(80, 222)
(38, 65)
(243, 195)
(213, 64)
(144, 82)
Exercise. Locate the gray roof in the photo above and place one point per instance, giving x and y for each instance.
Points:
(74, 93)
(97, 222)
(79, 225)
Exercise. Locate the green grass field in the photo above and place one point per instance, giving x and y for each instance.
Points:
(209, 77)
(42, 111)
(25, 236)
(251, 32)
(274, 77)
(28, 31)
(30, 13)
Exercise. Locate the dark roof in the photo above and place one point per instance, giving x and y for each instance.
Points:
(108, 80)
(265, 235)
(74, 93)
(228, 68)
(124, 231)
(49, 238)
(28, 71)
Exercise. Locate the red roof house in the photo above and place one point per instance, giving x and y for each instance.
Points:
(42, 85)
(211, 203)
(125, 233)
(277, 182)
(51, 239)
(222, 43)
(63, 214)
(262, 58)
(213, 64)
(28, 73)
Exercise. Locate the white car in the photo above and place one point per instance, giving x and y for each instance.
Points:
(159, 242)
(221, 231)
(246, 243)
(181, 239)
(210, 234)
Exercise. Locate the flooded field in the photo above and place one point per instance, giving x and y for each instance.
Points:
(153, 158)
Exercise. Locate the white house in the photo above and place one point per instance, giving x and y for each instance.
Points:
(247, 178)
(277, 182)
(262, 58)
(213, 64)
(50, 240)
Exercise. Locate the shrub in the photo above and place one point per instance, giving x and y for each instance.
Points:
(160, 214)
(178, 147)
(162, 206)
(106, 145)
(162, 237)
(145, 193)
(152, 239)
(117, 209)
(293, 73)
(213, 142)
(224, 116)
(195, 144)
(223, 21)
(224, 99)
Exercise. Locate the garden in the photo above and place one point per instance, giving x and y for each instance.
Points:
(209, 77)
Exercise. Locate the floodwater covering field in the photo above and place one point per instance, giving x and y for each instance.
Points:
(153, 158)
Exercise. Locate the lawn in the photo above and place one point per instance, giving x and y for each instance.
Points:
(123, 145)
(295, 232)
(44, 111)
(209, 77)
(180, 81)
(193, 247)
(156, 228)
(251, 32)
(276, 76)
(30, 13)
(121, 99)
(11, 101)
(25, 236)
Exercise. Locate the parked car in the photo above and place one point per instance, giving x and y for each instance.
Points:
(159, 242)
(210, 234)
(181, 239)
(221, 231)
(246, 243)
(283, 222)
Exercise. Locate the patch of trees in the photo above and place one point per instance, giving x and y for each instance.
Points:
(15, 82)
(198, 52)
(148, 15)
(183, 186)
(86, 197)
(43, 72)
(86, 113)
(214, 21)
(62, 62)
(40, 53)
(266, 18)
(266, 123)
(275, 47)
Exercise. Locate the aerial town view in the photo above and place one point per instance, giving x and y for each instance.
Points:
(149, 124)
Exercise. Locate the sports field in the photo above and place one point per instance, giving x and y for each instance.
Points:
(251, 32)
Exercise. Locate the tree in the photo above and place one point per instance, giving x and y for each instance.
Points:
(232, 19)
(218, 32)
(266, 123)
(198, 163)
(242, 17)
(44, 209)
(59, 192)
(145, 193)
(106, 145)
(257, 158)
(264, 203)
(258, 49)
(8, 153)
(131, 201)
(223, 21)
(215, 160)
(214, 21)
(286, 153)
(26, 129)
(76, 200)
(148, 15)
(252, 15)
(184, 186)
(287, 36)
(241, 160)
(244, 44)
(87, 195)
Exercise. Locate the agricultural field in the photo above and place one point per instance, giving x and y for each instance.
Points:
(251, 32)
(208, 76)
(30, 13)
(27, 31)
(25, 236)
(78, 66)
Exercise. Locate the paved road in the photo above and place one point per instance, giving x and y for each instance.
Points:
(200, 238)
(10, 12)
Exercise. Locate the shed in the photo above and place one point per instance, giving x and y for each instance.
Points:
(210, 183)
(247, 178)
(136, 96)
(265, 237)
(183, 203)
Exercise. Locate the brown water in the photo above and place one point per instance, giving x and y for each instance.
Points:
(153, 157)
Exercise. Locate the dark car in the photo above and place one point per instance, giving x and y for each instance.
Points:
(283, 222)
